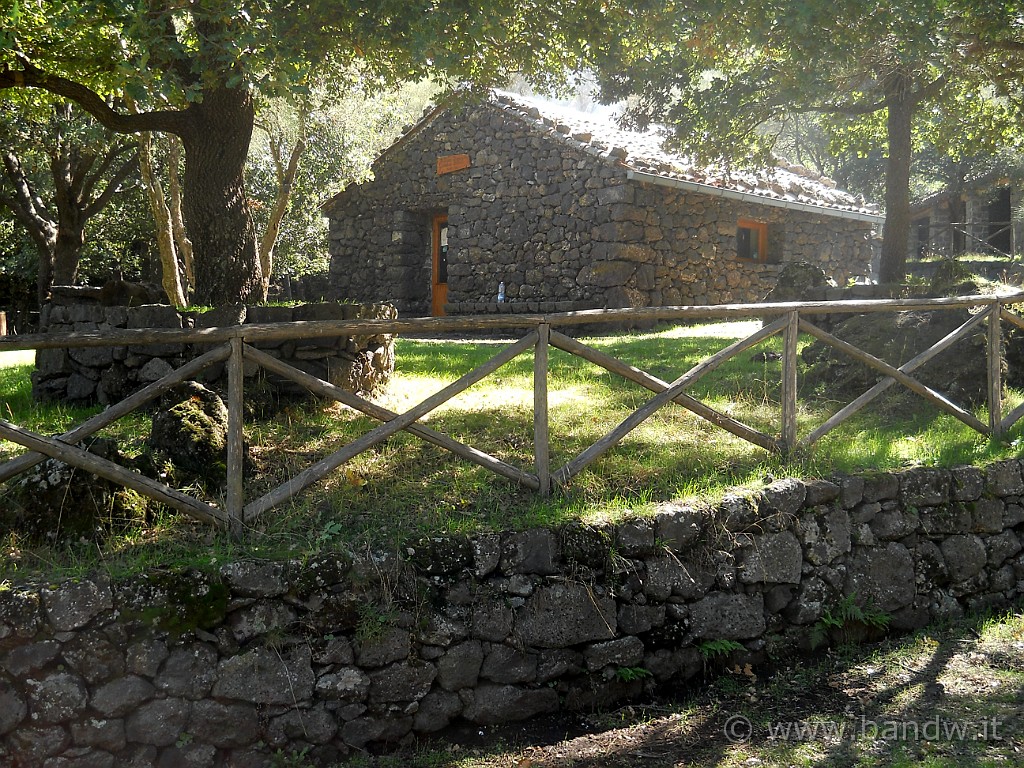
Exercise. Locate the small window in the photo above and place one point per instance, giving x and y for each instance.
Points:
(751, 240)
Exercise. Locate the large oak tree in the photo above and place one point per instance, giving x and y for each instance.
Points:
(720, 70)
(195, 66)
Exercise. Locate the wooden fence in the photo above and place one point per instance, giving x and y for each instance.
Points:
(234, 345)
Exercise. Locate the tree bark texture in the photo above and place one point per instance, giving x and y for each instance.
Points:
(177, 218)
(899, 122)
(216, 140)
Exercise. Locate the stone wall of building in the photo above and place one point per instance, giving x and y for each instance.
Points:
(334, 653)
(558, 223)
(108, 374)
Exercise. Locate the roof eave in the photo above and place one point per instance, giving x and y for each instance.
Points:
(748, 197)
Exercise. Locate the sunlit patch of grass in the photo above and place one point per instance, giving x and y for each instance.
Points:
(404, 487)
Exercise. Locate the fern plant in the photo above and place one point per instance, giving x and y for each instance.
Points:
(846, 618)
(711, 649)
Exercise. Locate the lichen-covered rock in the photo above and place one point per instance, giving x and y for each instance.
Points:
(677, 527)
(775, 558)
(437, 709)
(56, 502)
(965, 556)
(250, 578)
(668, 575)
(623, 652)
(402, 681)
(533, 551)
(346, 684)
(158, 723)
(190, 430)
(59, 697)
(73, 604)
(491, 704)
(566, 614)
(824, 535)
(460, 666)
(264, 676)
(723, 616)
(13, 708)
(883, 576)
(924, 487)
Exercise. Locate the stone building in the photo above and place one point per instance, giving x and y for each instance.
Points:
(570, 212)
(981, 214)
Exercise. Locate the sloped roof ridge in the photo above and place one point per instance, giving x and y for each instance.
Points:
(644, 152)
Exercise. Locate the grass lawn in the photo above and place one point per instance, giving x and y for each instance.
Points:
(404, 487)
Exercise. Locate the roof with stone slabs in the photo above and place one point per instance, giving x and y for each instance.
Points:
(644, 157)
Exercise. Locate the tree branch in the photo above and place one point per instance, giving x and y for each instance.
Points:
(170, 121)
(113, 185)
(109, 159)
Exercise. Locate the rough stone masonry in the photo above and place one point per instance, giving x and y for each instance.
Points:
(236, 664)
(106, 375)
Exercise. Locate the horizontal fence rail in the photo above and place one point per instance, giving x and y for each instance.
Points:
(235, 346)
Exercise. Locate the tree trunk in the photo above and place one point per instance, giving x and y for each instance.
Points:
(177, 219)
(68, 252)
(170, 279)
(286, 182)
(217, 216)
(901, 103)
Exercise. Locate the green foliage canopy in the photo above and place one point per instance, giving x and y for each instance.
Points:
(194, 66)
(719, 70)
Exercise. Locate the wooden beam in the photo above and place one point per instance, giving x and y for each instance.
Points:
(325, 389)
(654, 384)
(595, 451)
(328, 464)
(541, 436)
(236, 438)
(894, 375)
(107, 417)
(789, 404)
(995, 372)
(115, 473)
(257, 332)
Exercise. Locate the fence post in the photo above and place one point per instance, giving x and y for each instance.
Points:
(236, 445)
(995, 370)
(789, 348)
(541, 446)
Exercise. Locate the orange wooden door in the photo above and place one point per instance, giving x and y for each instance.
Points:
(439, 257)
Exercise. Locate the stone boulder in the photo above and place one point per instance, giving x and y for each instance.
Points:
(190, 431)
(959, 371)
(800, 281)
(57, 502)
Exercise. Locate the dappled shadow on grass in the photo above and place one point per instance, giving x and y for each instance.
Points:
(952, 696)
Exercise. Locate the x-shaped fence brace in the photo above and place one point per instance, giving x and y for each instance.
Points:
(237, 514)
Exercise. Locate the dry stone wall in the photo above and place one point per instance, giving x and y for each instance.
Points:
(107, 375)
(561, 225)
(321, 657)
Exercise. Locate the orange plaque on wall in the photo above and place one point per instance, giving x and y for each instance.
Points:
(451, 163)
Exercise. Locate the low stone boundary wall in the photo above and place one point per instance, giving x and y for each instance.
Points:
(333, 654)
(105, 375)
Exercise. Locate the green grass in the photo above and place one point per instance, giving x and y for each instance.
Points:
(405, 488)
